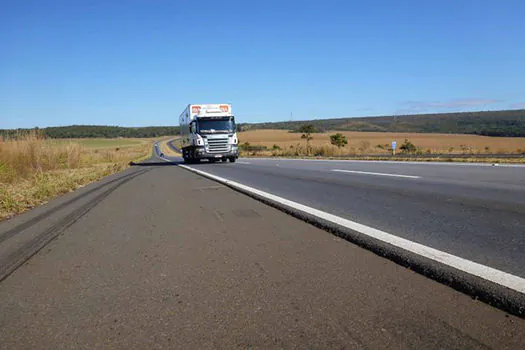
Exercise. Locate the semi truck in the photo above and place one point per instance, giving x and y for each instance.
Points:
(208, 131)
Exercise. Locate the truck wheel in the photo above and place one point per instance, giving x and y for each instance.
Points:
(232, 160)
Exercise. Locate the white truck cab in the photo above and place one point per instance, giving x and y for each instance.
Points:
(208, 131)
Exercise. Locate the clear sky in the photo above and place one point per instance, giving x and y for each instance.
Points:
(137, 63)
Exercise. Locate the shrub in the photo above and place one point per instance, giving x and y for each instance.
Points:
(252, 148)
(338, 140)
(408, 147)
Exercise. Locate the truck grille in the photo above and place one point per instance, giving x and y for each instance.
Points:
(218, 146)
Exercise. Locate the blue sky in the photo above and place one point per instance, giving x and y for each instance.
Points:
(137, 63)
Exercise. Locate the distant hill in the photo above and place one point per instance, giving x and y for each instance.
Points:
(97, 131)
(489, 123)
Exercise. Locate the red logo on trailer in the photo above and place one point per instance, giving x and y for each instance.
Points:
(195, 109)
(224, 108)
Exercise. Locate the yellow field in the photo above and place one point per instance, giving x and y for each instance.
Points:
(367, 142)
(101, 143)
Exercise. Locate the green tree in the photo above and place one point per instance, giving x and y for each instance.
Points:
(408, 147)
(307, 131)
(338, 140)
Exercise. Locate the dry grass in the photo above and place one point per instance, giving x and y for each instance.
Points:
(34, 169)
(359, 143)
(167, 150)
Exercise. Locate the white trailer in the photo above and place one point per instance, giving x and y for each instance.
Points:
(208, 131)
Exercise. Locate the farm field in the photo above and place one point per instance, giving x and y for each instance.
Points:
(379, 142)
(100, 143)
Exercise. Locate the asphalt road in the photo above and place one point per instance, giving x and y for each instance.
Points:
(476, 212)
(159, 257)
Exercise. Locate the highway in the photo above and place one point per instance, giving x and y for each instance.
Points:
(476, 212)
(161, 257)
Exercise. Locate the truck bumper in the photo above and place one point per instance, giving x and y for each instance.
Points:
(200, 153)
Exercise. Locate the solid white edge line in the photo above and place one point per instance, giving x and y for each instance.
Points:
(488, 273)
(376, 174)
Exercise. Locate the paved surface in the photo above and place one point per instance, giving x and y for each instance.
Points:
(475, 212)
(165, 258)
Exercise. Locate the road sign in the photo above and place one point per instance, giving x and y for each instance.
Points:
(394, 145)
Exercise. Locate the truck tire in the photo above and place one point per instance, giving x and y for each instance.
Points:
(232, 160)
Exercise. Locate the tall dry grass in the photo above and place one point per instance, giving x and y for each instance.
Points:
(31, 154)
(34, 169)
(301, 150)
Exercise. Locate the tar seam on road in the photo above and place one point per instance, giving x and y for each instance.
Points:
(493, 286)
(376, 174)
(16, 259)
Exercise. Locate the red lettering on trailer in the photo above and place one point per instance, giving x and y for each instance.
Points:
(195, 109)
(224, 108)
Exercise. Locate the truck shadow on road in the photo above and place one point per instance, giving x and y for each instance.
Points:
(157, 163)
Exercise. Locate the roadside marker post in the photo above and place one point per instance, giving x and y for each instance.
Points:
(394, 145)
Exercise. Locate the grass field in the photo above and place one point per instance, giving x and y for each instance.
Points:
(106, 143)
(34, 170)
(290, 144)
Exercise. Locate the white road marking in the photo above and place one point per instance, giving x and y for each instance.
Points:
(243, 162)
(376, 174)
(488, 273)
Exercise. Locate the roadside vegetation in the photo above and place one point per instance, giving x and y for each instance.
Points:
(167, 150)
(281, 143)
(34, 169)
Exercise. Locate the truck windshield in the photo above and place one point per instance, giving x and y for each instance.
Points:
(212, 126)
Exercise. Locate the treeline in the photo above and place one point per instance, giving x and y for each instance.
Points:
(490, 123)
(95, 131)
